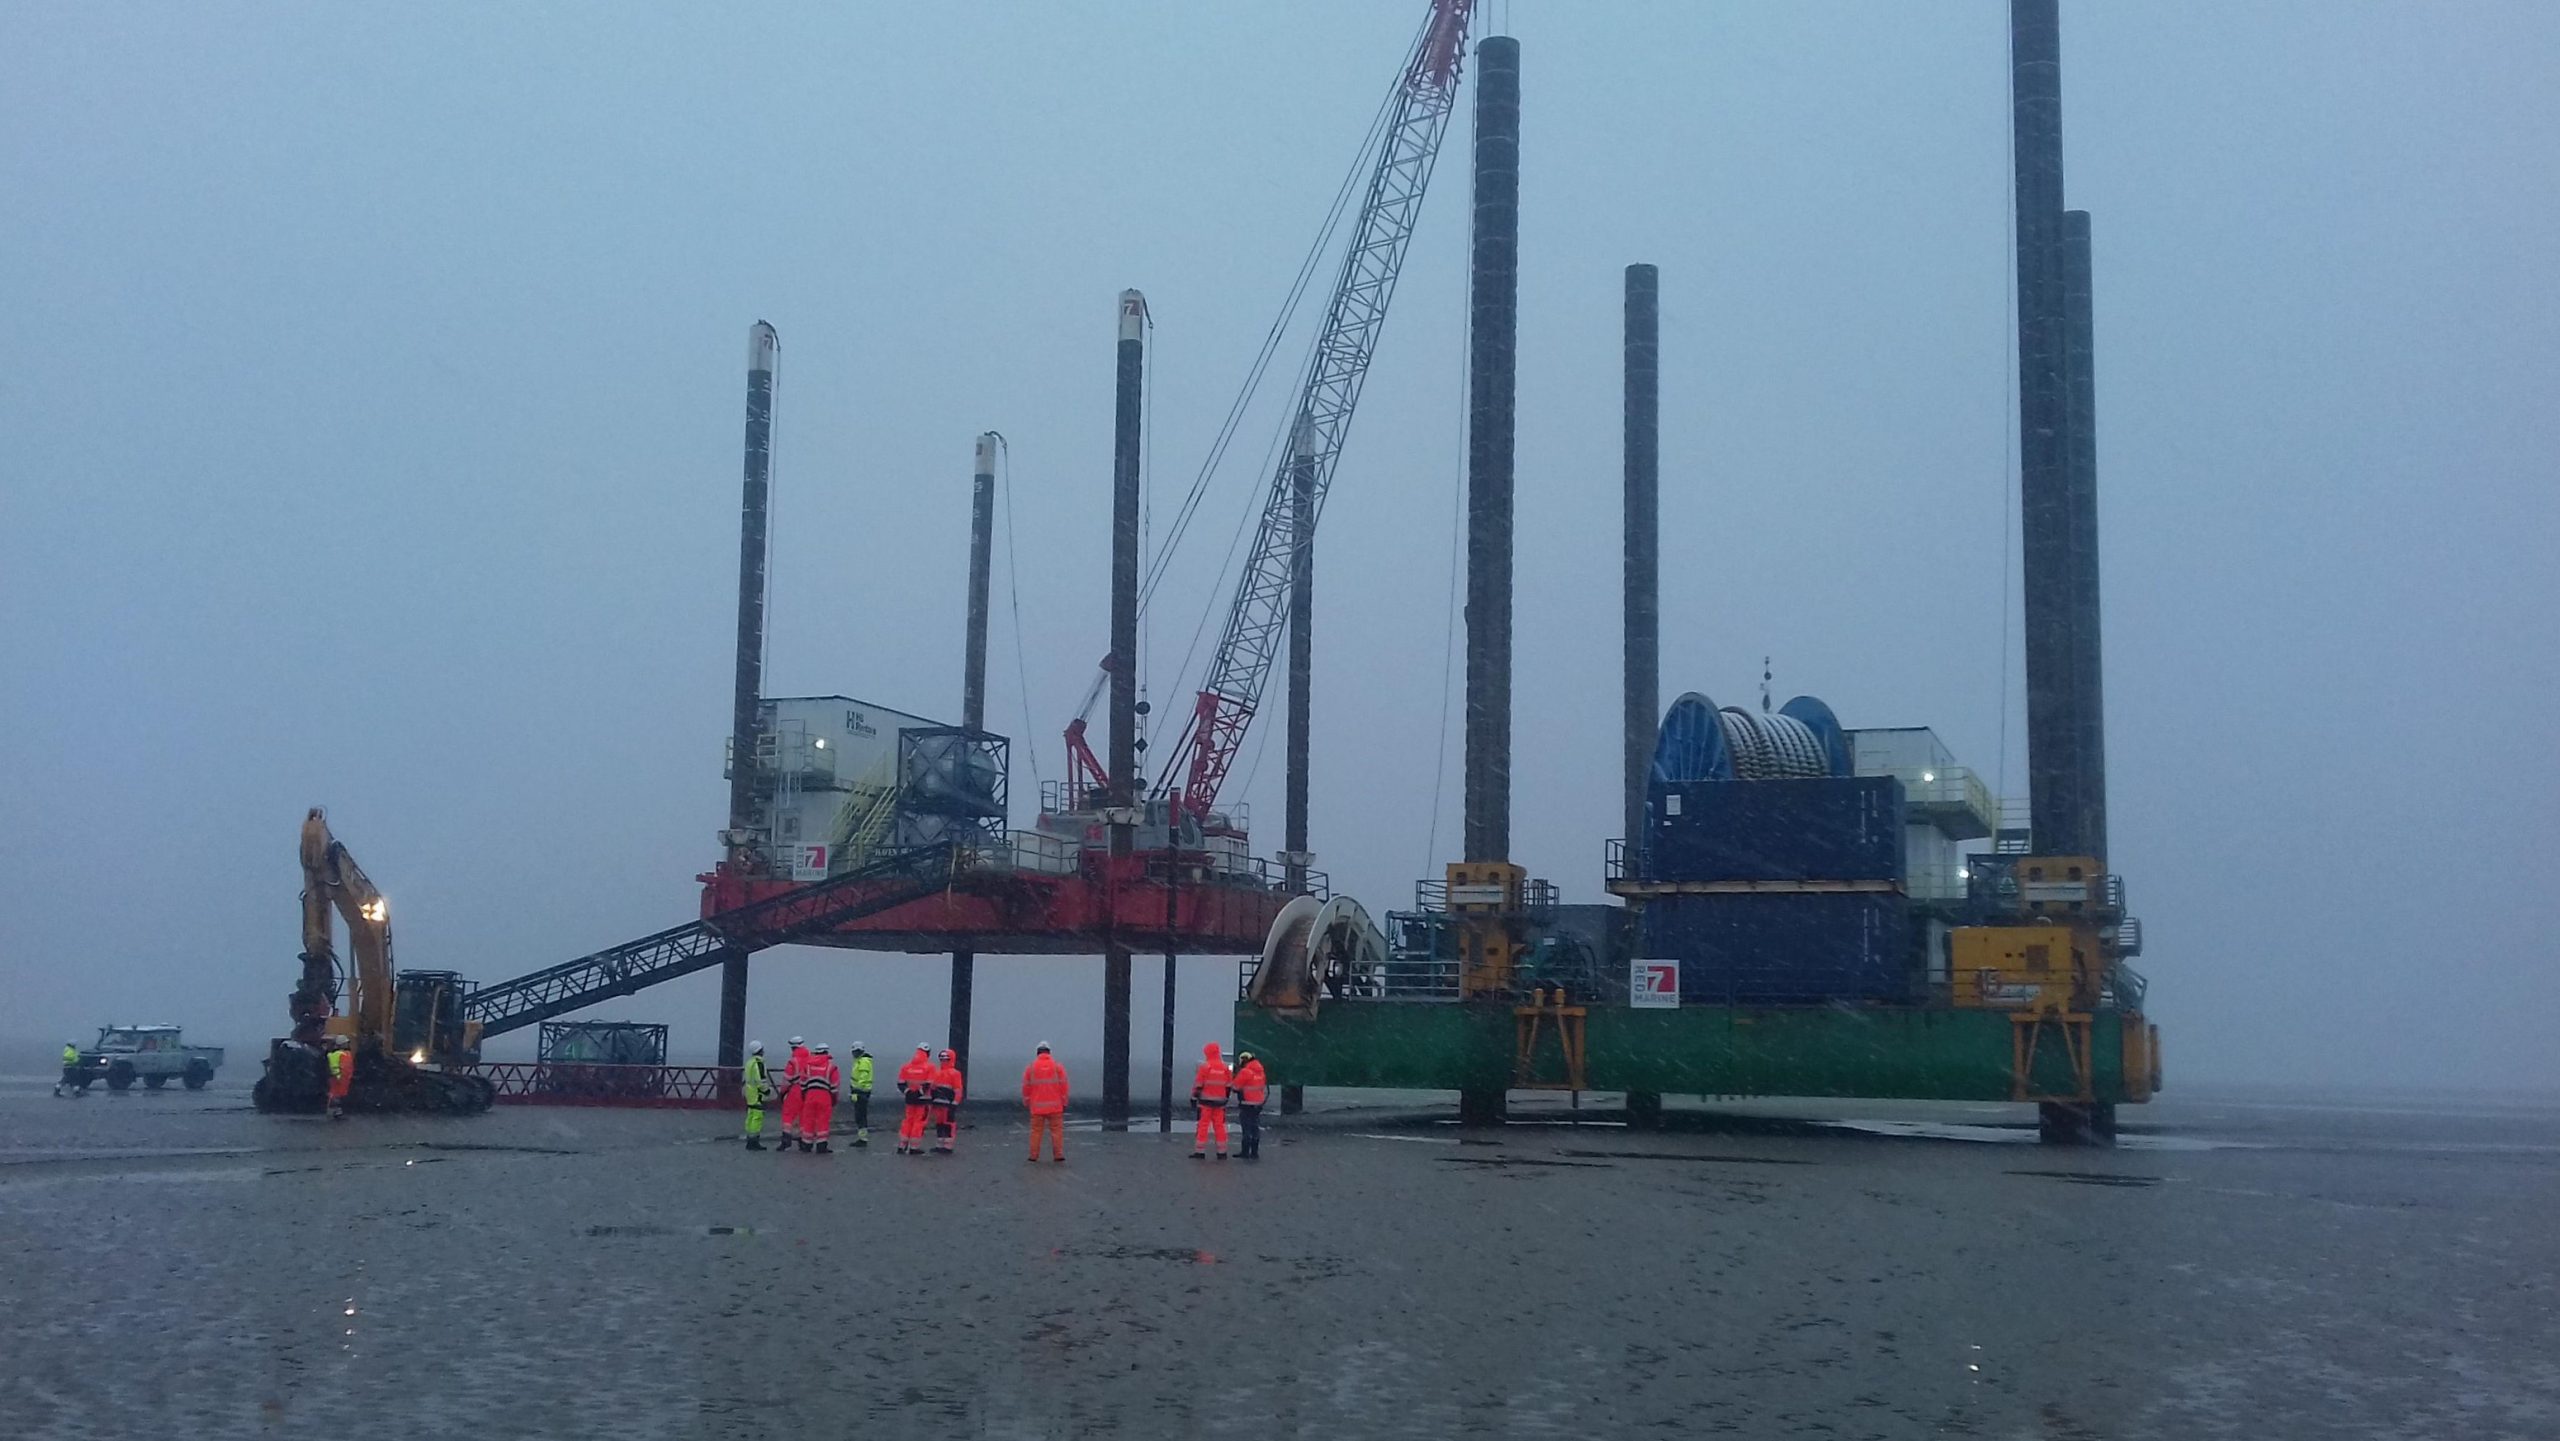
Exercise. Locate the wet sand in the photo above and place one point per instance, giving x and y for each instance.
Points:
(177, 1265)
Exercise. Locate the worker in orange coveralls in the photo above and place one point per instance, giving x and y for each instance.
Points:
(947, 1090)
(915, 1082)
(1209, 1087)
(792, 1070)
(818, 1082)
(1252, 1089)
(1044, 1091)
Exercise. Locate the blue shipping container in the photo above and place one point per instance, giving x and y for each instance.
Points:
(1785, 949)
(1846, 828)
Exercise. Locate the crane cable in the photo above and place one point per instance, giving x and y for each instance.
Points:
(1244, 521)
(1013, 588)
(1146, 502)
(1354, 181)
(1457, 530)
(1255, 373)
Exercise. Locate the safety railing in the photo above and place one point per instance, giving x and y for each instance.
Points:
(1621, 861)
(1952, 796)
(1538, 898)
(547, 1083)
(2126, 988)
(2015, 835)
(1196, 868)
(1036, 852)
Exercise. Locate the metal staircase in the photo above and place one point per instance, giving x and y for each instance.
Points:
(889, 881)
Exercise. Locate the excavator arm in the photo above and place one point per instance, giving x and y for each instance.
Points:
(334, 887)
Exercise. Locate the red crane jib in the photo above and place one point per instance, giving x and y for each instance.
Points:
(1217, 733)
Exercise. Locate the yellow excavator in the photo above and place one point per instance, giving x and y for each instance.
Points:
(405, 1029)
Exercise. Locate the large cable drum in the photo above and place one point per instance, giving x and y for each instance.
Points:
(1817, 718)
(1699, 741)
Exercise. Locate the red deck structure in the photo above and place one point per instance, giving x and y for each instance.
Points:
(1145, 902)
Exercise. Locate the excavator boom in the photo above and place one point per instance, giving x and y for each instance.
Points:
(332, 883)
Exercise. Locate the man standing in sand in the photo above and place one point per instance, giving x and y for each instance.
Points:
(1252, 1089)
(915, 1082)
(753, 1082)
(857, 1084)
(1044, 1093)
(947, 1088)
(818, 1082)
(793, 1068)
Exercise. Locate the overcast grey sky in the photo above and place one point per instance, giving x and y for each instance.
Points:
(370, 404)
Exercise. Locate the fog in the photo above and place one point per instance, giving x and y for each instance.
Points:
(370, 397)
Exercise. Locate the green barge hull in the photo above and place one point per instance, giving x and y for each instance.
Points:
(1941, 1054)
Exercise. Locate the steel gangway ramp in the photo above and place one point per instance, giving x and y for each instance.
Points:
(889, 881)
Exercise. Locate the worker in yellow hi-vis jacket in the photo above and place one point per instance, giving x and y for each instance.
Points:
(755, 1087)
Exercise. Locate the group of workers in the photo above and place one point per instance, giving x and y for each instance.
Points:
(932, 1088)
(1213, 1086)
(807, 1091)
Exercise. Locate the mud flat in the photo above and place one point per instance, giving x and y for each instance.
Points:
(176, 1264)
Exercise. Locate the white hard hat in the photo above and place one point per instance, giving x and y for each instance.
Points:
(856, 1046)
(795, 1040)
(1044, 1045)
(756, 1049)
(822, 1048)
(924, 1045)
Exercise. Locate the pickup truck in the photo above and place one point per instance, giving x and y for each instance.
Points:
(152, 1055)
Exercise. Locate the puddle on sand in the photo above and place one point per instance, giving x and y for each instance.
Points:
(1684, 1156)
(1502, 1161)
(348, 1166)
(2023, 1135)
(2091, 1178)
(38, 1155)
(1518, 1123)
(1938, 1131)
(19, 1185)
(650, 1230)
(1135, 1253)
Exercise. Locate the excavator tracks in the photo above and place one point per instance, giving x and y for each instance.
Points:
(296, 1083)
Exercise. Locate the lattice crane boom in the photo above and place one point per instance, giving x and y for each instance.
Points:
(1257, 617)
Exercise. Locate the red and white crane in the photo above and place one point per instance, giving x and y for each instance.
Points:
(1231, 692)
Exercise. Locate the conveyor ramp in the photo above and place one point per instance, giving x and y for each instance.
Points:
(891, 880)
